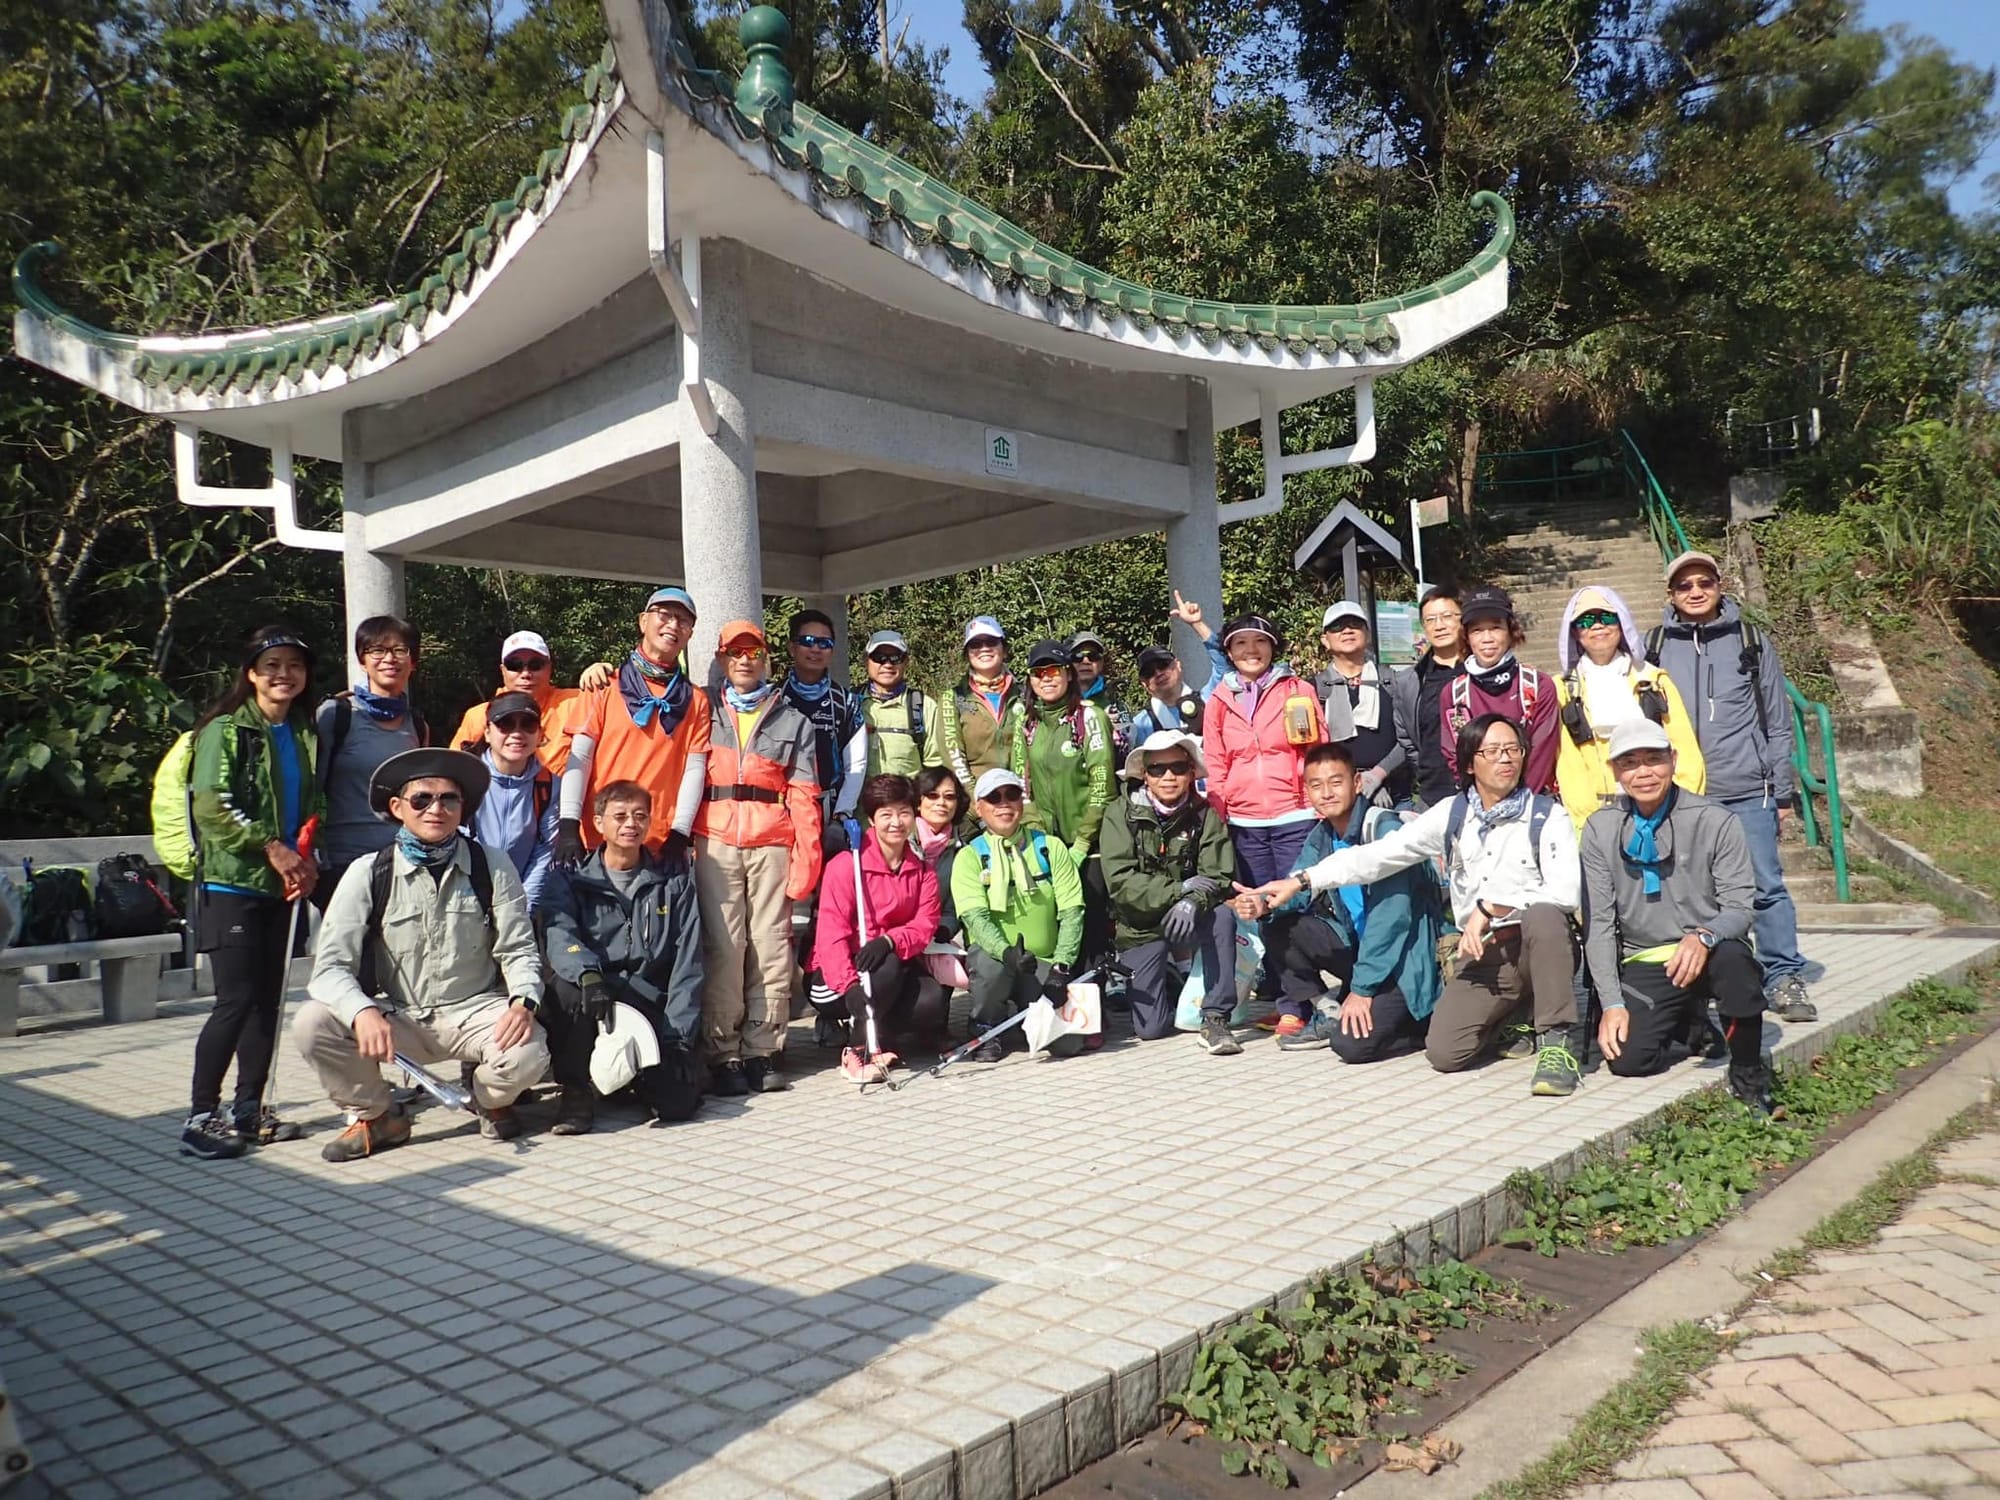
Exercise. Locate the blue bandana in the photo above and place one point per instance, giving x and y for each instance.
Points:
(377, 707)
(643, 704)
(1644, 850)
(430, 856)
(743, 703)
(809, 692)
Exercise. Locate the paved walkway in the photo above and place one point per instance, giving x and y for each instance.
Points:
(1877, 1373)
(963, 1291)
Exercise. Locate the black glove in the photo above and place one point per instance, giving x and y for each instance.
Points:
(1017, 960)
(569, 843)
(832, 838)
(597, 997)
(1177, 926)
(677, 845)
(873, 954)
(1056, 987)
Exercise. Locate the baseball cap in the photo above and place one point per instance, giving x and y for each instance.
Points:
(736, 630)
(1638, 734)
(1690, 557)
(1087, 638)
(1485, 604)
(525, 640)
(997, 779)
(1048, 654)
(880, 638)
(1346, 609)
(1252, 625)
(671, 595)
(504, 704)
(1154, 659)
(980, 625)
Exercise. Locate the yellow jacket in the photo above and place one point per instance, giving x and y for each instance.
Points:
(1583, 772)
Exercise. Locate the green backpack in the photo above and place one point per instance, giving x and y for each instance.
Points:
(174, 843)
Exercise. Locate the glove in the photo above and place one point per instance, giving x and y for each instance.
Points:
(1370, 781)
(1203, 886)
(569, 843)
(832, 838)
(1177, 926)
(677, 845)
(1056, 988)
(1017, 960)
(873, 954)
(597, 998)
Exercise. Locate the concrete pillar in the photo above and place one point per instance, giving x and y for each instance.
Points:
(1194, 543)
(844, 650)
(374, 580)
(719, 541)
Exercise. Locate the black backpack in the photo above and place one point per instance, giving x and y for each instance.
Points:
(378, 889)
(55, 907)
(130, 902)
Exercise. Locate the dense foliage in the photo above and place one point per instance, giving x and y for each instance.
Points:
(1726, 207)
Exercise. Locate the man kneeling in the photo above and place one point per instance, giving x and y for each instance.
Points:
(445, 922)
(624, 928)
(1670, 891)
(1378, 940)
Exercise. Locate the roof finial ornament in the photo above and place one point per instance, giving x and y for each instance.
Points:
(765, 33)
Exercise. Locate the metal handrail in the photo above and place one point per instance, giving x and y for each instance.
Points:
(1668, 533)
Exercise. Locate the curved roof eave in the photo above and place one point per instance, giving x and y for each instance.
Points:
(172, 376)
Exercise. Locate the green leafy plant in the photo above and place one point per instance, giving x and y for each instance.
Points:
(1320, 1378)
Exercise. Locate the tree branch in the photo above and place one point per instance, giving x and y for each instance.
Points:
(1111, 159)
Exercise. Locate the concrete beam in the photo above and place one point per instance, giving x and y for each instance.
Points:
(532, 547)
(1033, 531)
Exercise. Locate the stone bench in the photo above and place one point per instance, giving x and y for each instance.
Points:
(129, 974)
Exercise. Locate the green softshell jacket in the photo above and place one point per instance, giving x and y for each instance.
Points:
(1047, 917)
(1063, 751)
(974, 740)
(1146, 856)
(235, 795)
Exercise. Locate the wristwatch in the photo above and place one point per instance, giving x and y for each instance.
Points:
(1707, 937)
(530, 1006)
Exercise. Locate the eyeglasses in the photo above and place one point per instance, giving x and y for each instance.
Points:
(525, 663)
(518, 724)
(1045, 674)
(1005, 794)
(942, 794)
(1171, 768)
(887, 658)
(449, 801)
(1442, 617)
(1499, 752)
(1701, 583)
(621, 815)
(1597, 619)
(673, 614)
(387, 653)
(814, 642)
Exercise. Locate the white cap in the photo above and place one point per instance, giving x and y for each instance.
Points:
(980, 625)
(1637, 734)
(525, 640)
(1346, 609)
(997, 779)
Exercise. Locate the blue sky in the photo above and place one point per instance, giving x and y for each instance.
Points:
(1968, 28)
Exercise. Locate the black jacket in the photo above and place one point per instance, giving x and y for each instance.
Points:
(646, 946)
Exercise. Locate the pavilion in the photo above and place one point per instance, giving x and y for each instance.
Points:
(717, 339)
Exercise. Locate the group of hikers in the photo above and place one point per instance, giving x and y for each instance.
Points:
(1468, 856)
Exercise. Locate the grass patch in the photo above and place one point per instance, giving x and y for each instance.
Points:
(1319, 1379)
(1692, 1168)
(1895, 1187)
(1962, 836)
(1623, 1418)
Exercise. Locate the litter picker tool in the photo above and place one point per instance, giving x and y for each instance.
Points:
(450, 1095)
(999, 1029)
(266, 1120)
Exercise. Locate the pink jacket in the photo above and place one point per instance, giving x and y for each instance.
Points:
(1254, 768)
(903, 905)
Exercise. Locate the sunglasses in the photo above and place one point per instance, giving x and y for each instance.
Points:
(525, 663)
(449, 801)
(984, 643)
(1005, 794)
(1700, 583)
(1172, 768)
(1043, 674)
(517, 724)
(814, 642)
(1596, 619)
(1090, 656)
(747, 653)
(888, 658)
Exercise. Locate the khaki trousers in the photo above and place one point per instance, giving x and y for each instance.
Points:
(1535, 962)
(746, 947)
(463, 1034)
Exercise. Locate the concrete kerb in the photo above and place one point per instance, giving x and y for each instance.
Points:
(1919, 866)
(1525, 1416)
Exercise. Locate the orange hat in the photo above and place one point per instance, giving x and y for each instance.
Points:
(736, 630)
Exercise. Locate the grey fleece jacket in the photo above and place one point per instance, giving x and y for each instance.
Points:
(1706, 664)
(1706, 881)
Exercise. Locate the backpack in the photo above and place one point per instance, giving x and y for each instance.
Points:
(1750, 662)
(343, 721)
(129, 902)
(384, 866)
(175, 840)
(858, 717)
(55, 907)
(1036, 838)
(1652, 703)
(1539, 807)
(1529, 690)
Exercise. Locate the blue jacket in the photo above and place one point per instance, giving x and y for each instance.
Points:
(506, 820)
(1146, 718)
(647, 946)
(1706, 664)
(1402, 915)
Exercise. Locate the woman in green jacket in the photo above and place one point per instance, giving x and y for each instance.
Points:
(251, 788)
(1062, 750)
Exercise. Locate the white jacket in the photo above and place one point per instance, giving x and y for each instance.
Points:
(1497, 868)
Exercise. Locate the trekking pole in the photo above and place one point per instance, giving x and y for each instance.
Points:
(265, 1104)
(879, 1069)
(972, 1045)
(449, 1095)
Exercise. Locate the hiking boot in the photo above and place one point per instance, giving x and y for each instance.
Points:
(1557, 1072)
(500, 1124)
(367, 1137)
(1216, 1039)
(212, 1136)
(831, 1032)
(728, 1081)
(1517, 1043)
(1316, 1034)
(1289, 1026)
(1752, 1085)
(990, 1052)
(856, 1068)
(1708, 1044)
(761, 1076)
(260, 1124)
(576, 1112)
(1787, 1000)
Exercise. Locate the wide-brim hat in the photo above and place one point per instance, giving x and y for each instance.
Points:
(626, 1046)
(467, 772)
(1159, 742)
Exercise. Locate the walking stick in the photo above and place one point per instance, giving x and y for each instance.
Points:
(264, 1102)
(961, 1053)
(879, 1068)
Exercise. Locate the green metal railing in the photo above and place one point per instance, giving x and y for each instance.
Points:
(1588, 471)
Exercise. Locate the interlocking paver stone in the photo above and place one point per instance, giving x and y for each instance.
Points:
(670, 1310)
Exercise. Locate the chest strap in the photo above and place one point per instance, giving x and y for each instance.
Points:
(737, 792)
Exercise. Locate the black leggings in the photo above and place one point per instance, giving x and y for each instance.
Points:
(908, 1002)
(244, 938)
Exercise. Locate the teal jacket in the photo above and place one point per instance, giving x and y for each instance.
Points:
(1402, 915)
(233, 788)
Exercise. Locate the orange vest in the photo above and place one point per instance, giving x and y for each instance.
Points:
(764, 794)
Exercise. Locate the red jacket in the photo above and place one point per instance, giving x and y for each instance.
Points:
(902, 905)
(1256, 765)
(765, 793)
(1529, 700)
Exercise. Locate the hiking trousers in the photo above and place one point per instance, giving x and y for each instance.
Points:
(1662, 1013)
(462, 1034)
(746, 947)
(1535, 961)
